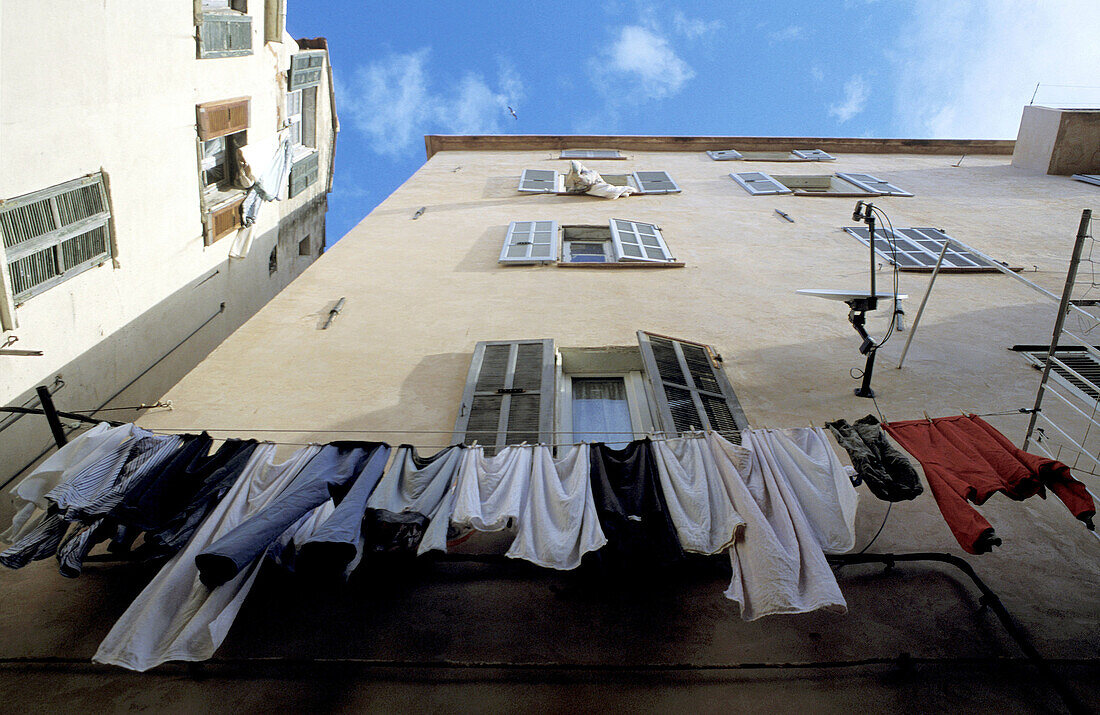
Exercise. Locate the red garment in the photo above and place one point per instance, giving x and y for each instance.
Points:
(966, 460)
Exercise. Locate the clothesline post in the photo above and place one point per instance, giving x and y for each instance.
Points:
(51, 415)
(923, 302)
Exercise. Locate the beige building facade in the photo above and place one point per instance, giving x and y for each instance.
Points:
(477, 300)
(129, 142)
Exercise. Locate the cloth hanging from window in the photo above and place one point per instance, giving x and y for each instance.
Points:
(177, 617)
(804, 457)
(559, 523)
(698, 503)
(490, 492)
(265, 187)
(631, 506)
(327, 476)
(966, 461)
(887, 472)
(582, 180)
(778, 566)
(410, 509)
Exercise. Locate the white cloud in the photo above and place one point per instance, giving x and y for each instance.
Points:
(965, 70)
(790, 32)
(692, 28)
(855, 99)
(393, 103)
(817, 73)
(640, 61)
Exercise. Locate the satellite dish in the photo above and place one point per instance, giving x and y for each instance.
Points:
(847, 295)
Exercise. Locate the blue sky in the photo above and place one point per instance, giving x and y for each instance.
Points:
(927, 68)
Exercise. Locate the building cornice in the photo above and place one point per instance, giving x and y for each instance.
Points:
(851, 145)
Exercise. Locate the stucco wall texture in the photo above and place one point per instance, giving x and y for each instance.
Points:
(420, 293)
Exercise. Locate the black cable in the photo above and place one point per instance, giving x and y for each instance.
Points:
(889, 505)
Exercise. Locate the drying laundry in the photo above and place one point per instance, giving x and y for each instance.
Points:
(559, 523)
(698, 503)
(632, 509)
(818, 481)
(490, 492)
(582, 180)
(327, 476)
(778, 565)
(177, 617)
(966, 461)
(410, 509)
(887, 472)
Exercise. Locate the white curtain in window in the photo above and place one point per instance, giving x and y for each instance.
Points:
(601, 412)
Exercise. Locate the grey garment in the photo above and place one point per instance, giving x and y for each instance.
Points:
(338, 541)
(325, 477)
(886, 471)
(410, 508)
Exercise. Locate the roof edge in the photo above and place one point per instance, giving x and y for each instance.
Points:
(434, 143)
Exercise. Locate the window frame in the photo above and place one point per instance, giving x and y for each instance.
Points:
(615, 257)
(869, 185)
(638, 402)
(530, 183)
(794, 155)
(592, 154)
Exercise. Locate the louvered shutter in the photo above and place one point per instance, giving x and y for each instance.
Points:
(509, 395)
(874, 185)
(303, 174)
(813, 155)
(758, 183)
(637, 241)
(530, 242)
(225, 35)
(539, 181)
(218, 119)
(223, 221)
(591, 154)
(725, 155)
(308, 125)
(305, 70)
(655, 182)
(691, 389)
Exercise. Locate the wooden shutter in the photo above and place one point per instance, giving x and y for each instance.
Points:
(218, 119)
(303, 174)
(309, 117)
(225, 34)
(223, 221)
(305, 70)
(875, 186)
(758, 183)
(690, 387)
(725, 155)
(813, 155)
(637, 241)
(655, 182)
(530, 242)
(509, 395)
(538, 181)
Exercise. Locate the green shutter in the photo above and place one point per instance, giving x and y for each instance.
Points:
(305, 69)
(509, 395)
(691, 389)
(225, 35)
(303, 173)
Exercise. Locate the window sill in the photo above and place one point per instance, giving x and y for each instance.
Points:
(624, 264)
(216, 199)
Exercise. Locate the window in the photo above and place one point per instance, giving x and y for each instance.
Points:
(222, 128)
(758, 183)
(301, 110)
(514, 391)
(51, 235)
(917, 249)
(795, 155)
(224, 29)
(549, 181)
(619, 243)
(1074, 368)
(591, 154)
(305, 69)
(301, 104)
(1088, 178)
(303, 247)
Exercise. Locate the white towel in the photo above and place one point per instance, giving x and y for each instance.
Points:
(778, 565)
(176, 617)
(490, 491)
(559, 523)
(819, 482)
(698, 502)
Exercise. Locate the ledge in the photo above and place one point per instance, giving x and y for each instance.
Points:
(435, 143)
(623, 264)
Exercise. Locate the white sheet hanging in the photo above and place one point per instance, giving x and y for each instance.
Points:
(700, 507)
(819, 481)
(582, 180)
(176, 617)
(490, 491)
(778, 565)
(559, 523)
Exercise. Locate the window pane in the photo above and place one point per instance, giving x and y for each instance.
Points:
(600, 411)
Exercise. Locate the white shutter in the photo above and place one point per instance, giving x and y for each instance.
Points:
(591, 154)
(530, 242)
(758, 183)
(637, 241)
(539, 181)
(724, 155)
(874, 185)
(813, 155)
(1088, 178)
(655, 182)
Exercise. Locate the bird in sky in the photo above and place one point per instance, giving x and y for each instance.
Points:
(513, 113)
